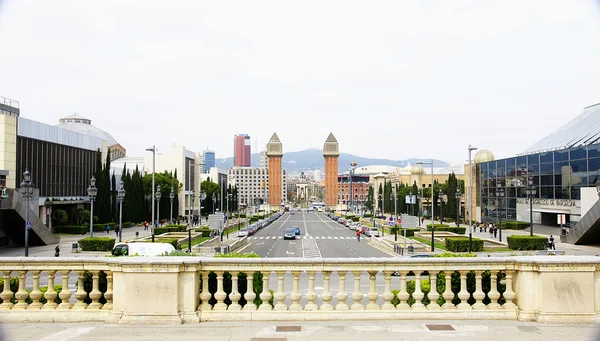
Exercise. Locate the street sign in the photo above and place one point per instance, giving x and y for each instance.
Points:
(391, 219)
(399, 220)
(28, 225)
(391, 223)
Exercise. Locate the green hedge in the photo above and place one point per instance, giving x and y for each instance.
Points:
(461, 244)
(368, 215)
(102, 227)
(436, 226)
(97, 244)
(449, 220)
(446, 228)
(172, 241)
(515, 225)
(409, 232)
(527, 243)
(127, 225)
(72, 229)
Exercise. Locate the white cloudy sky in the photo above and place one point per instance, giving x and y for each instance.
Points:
(393, 79)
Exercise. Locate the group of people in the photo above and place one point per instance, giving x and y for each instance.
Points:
(485, 227)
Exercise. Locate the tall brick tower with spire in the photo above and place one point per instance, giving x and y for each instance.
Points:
(274, 155)
(331, 152)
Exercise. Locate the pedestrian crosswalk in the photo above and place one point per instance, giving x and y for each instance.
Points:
(301, 237)
(305, 221)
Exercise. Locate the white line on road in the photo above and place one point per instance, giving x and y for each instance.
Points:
(67, 334)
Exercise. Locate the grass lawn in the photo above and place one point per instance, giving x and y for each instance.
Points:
(428, 242)
(497, 249)
(194, 242)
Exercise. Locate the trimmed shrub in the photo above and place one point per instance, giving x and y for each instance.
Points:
(72, 229)
(449, 220)
(514, 225)
(368, 215)
(409, 232)
(97, 244)
(461, 244)
(172, 241)
(127, 225)
(527, 243)
(453, 255)
(446, 228)
(436, 226)
(102, 227)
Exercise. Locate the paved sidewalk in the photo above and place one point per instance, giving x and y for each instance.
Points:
(314, 331)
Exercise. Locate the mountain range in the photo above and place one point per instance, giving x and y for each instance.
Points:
(312, 159)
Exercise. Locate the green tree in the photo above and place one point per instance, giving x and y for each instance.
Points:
(369, 202)
(166, 181)
(212, 191)
(102, 204)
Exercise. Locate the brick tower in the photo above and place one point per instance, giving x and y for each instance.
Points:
(331, 152)
(274, 154)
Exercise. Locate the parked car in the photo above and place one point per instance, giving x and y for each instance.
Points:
(289, 233)
(372, 232)
(243, 232)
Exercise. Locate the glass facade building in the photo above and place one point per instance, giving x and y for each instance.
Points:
(209, 160)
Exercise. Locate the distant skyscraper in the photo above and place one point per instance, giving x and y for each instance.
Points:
(264, 160)
(317, 175)
(242, 151)
(209, 160)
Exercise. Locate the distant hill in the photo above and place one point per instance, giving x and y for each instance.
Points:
(312, 159)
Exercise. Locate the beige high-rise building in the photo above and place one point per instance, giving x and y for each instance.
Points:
(274, 155)
(331, 153)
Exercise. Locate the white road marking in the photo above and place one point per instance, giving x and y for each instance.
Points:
(68, 334)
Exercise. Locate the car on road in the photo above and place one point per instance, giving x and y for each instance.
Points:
(289, 233)
(296, 229)
(372, 232)
(243, 232)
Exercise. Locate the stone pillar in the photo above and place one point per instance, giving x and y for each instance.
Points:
(274, 154)
(331, 153)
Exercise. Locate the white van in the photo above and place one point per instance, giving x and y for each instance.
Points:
(142, 249)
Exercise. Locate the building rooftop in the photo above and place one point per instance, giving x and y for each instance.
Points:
(84, 125)
(580, 131)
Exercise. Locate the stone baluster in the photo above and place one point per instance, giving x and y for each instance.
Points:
(326, 295)
(265, 295)
(280, 295)
(311, 295)
(494, 295)
(463, 294)
(418, 295)
(36, 294)
(235, 293)
(65, 294)
(372, 295)
(296, 296)
(21, 294)
(80, 294)
(205, 295)
(108, 295)
(388, 295)
(478, 295)
(342, 295)
(250, 295)
(433, 294)
(403, 294)
(50, 294)
(448, 293)
(95, 294)
(6, 294)
(509, 294)
(220, 294)
(357, 296)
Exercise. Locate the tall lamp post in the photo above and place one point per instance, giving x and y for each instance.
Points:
(352, 168)
(153, 150)
(192, 208)
(157, 195)
(432, 215)
(172, 196)
(458, 195)
(531, 192)
(395, 213)
(92, 192)
(120, 198)
(499, 195)
(470, 200)
(441, 199)
(27, 191)
(419, 196)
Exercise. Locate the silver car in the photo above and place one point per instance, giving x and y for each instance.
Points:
(289, 233)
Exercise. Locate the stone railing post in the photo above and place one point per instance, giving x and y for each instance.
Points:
(418, 295)
(296, 296)
(80, 294)
(448, 293)
(235, 293)
(311, 296)
(433, 294)
(280, 295)
(36, 294)
(250, 295)
(108, 295)
(6, 294)
(65, 294)
(372, 295)
(220, 294)
(342, 296)
(388, 295)
(478, 295)
(509, 294)
(95, 294)
(50, 294)
(357, 295)
(493, 295)
(265, 295)
(326, 295)
(463, 294)
(21, 294)
(205, 295)
(403, 294)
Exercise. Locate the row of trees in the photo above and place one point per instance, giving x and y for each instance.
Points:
(384, 197)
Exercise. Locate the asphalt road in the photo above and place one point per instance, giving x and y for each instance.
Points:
(319, 237)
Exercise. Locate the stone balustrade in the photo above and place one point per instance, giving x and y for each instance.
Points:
(193, 289)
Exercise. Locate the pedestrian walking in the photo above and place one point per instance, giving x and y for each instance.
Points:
(56, 251)
(495, 231)
(551, 243)
(117, 231)
(107, 228)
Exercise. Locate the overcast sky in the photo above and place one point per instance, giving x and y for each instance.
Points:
(390, 79)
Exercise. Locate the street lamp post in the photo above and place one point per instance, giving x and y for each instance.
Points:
(352, 168)
(395, 213)
(172, 196)
(531, 192)
(192, 208)
(92, 192)
(157, 195)
(499, 195)
(27, 191)
(441, 199)
(120, 198)
(470, 200)
(153, 150)
(419, 196)
(432, 210)
(458, 195)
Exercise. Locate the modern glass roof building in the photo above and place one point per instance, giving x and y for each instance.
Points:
(564, 165)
